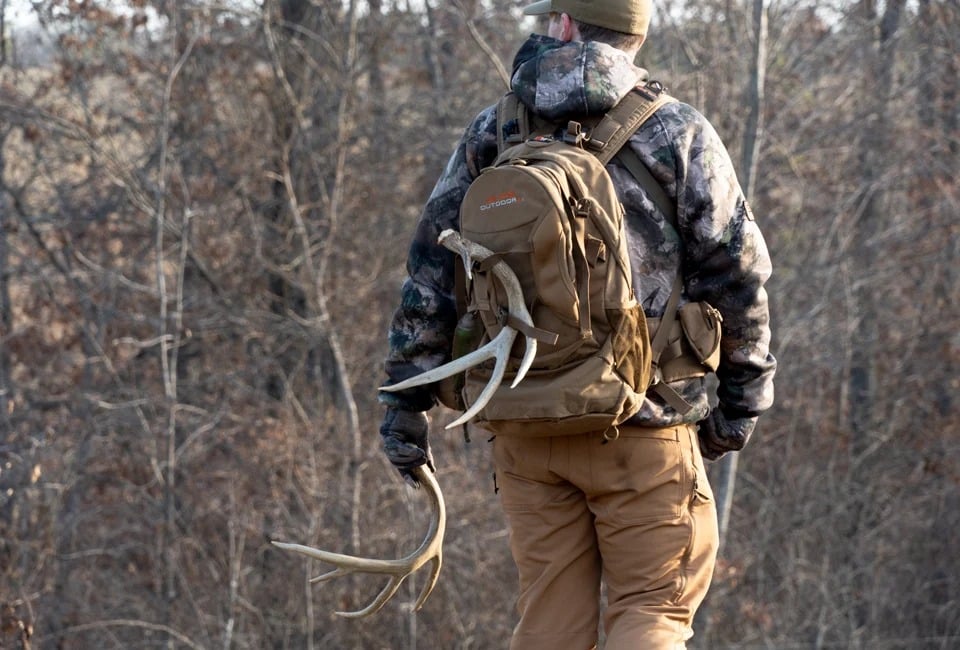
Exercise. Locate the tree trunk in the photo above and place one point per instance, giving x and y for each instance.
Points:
(869, 223)
(864, 297)
(6, 313)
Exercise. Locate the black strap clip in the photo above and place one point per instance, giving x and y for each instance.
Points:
(651, 90)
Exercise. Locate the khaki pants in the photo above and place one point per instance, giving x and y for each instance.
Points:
(636, 513)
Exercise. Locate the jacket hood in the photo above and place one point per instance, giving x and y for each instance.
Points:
(557, 79)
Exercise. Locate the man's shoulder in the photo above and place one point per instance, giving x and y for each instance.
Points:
(484, 122)
(483, 125)
(677, 125)
(679, 113)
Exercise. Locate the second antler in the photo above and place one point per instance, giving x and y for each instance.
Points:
(430, 551)
(499, 347)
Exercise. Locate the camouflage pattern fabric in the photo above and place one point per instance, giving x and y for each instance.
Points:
(724, 257)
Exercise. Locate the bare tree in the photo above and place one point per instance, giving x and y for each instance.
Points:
(205, 210)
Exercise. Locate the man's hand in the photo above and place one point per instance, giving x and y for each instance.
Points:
(720, 433)
(405, 443)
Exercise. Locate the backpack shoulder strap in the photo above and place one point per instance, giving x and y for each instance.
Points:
(659, 342)
(510, 109)
(654, 189)
(622, 121)
(608, 139)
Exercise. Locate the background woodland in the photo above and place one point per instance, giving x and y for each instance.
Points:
(204, 214)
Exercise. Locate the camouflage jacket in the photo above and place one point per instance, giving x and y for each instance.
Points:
(724, 257)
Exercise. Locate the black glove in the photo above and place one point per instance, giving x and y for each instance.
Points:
(721, 432)
(405, 443)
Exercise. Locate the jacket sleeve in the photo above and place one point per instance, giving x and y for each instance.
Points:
(727, 264)
(422, 327)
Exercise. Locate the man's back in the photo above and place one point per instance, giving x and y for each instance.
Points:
(562, 81)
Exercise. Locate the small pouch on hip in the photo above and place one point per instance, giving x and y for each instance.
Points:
(701, 326)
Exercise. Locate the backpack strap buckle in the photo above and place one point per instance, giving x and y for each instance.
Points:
(574, 134)
(651, 90)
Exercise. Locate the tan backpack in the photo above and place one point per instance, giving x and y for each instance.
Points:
(548, 209)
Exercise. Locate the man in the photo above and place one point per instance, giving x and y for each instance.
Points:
(637, 512)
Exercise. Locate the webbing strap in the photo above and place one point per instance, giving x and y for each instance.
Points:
(485, 267)
(672, 397)
(511, 108)
(610, 136)
(582, 270)
(544, 336)
(624, 119)
(659, 342)
(487, 264)
(655, 191)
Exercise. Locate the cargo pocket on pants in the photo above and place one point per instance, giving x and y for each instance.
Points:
(645, 466)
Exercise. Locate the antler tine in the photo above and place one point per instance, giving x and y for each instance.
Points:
(498, 348)
(491, 350)
(430, 551)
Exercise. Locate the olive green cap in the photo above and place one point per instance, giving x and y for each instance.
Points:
(627, 16)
